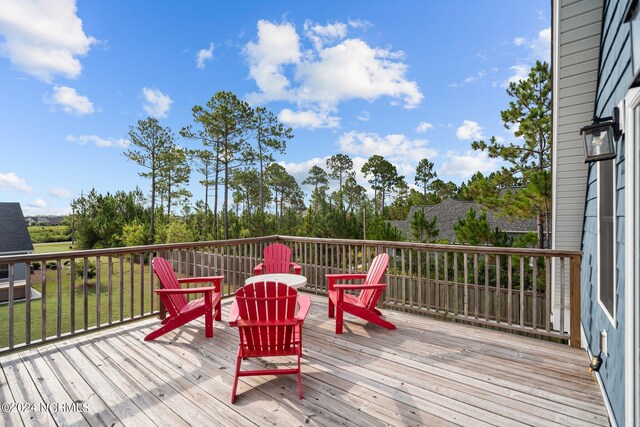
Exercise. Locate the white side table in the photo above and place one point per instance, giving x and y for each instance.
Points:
(293, 280)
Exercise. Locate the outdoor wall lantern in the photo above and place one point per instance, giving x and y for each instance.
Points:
(599, 138)
(631, 16)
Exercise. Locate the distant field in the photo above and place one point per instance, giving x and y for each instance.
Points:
(45, 248)
(48, 233)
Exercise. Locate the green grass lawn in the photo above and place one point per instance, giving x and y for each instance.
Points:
(45, 248)
(86, 300)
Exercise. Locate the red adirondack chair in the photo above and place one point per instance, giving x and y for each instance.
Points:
(265, 315)
(181, 311)
(364, 304)
(277, 259)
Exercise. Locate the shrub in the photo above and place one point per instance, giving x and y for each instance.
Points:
(91, 269)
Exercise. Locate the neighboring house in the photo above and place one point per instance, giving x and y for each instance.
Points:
(44, 220)
(14, 240)
(596, 204)
(450, 211)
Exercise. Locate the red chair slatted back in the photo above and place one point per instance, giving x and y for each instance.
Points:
(369, 297)
(273, 305)
(163, 270)
(277, 259)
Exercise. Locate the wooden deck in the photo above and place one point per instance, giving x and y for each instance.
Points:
(426, 372)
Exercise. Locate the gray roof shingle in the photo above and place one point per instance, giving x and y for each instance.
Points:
(14, 236)
(449, 211)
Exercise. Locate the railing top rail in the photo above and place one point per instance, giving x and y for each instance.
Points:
(493, 250)
(131, 249)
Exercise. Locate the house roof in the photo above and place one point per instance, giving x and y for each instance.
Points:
(14, 236)
(449, 211)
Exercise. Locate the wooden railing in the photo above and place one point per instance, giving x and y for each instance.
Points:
(502, 288)
(69, 293)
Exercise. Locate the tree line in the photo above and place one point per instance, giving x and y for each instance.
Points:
(235, 158)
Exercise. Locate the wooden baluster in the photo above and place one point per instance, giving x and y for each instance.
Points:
(131, 284)
(85, 295)
(437, 281)
(534, 293)
(487, 296)
(498, 295)
(121, 283)
(110, 288)
(27, 290)
(510, 289)
(59, 298)
(141, 283)
(97, 288)
(476, 286)
(447, 285)
(562, 292)
(465, 300)
(11, 296)
(522, 291)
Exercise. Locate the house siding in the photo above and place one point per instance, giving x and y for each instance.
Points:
(577, 26)
(615, 76)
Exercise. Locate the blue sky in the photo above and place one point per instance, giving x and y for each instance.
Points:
(403, 79)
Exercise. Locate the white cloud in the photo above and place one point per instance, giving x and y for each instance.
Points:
(469, 130)
(396, 148)
(11, 181)
(37, 203)
(541, 46)
(359, 24)
(203, 56)
(539, 49)
(43, 38)
(300, 171)
(60, 193)
(470, 79)
(308, 119)
(321, 34)
(70, 101)
(464, 165)
(364, 116)
(98, 141)
(518, 72)
(331, 71)
(353, 69)
(157, 104)
(423, 127)
(277, 46)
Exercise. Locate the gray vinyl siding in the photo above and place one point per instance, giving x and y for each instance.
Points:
(578, 44)
(615, 76)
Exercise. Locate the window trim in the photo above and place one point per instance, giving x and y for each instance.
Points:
(631, 127)
(614, 276)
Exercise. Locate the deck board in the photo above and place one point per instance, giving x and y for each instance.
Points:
(427, 372)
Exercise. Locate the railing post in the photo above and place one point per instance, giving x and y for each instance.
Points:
(162, 312)
(574, 301)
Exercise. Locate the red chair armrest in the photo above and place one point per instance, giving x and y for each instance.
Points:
(216, 280)
(346, 287)
(201, 279)
(296, 268)
(304, 304)
(257, 270)
(351, 276)
(234, 314)
(200, 290)
(332, 278)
